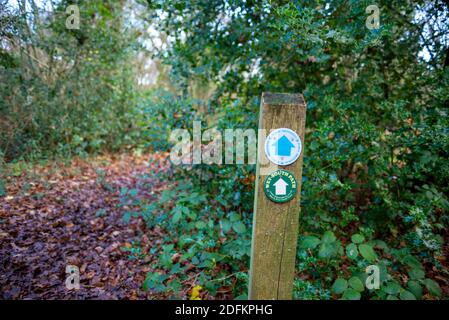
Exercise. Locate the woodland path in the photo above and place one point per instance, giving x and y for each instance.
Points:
(58, 215)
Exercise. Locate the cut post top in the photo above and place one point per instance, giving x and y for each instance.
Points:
(272, 98)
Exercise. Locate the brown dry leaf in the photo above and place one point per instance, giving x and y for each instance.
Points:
(43, 234)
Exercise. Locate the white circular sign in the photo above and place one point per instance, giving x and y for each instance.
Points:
(283, 146)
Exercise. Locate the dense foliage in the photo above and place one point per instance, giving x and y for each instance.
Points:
(65, 91)
(375, 166)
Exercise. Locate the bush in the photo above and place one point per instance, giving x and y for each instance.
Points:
(375, 161)
(67, 91)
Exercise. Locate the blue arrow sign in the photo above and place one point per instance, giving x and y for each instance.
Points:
(283, 147)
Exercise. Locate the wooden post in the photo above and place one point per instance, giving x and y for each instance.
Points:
(275, 225)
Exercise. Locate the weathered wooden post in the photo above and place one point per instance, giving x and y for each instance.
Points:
(277, 196)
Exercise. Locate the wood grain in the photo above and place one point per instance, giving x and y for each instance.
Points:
(275, 225)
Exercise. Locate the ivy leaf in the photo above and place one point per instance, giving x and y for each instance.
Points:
(200, 225)
(177, 214)
(234, 217)
(327, 250)
(433, 287)
(127, 217)
(226, 225)
(416, 274)
(239, 227)
(328, 237)
(407, 295)
(309, 242)
(381, 245)
(392, 288)
(356, 284)
(133, 193)
(166, 196)
(412, 262)
(340, 286)
(415, 288)
(155, 281)
(367, 252)
(357, 238)
(351, 251)
(175, 285)
(351, 294)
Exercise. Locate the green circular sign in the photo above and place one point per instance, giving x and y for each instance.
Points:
(280, 186)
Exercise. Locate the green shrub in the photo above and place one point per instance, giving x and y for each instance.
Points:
(67, 91)
(376, 149)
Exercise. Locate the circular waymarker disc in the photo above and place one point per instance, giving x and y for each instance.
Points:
(283, 146)
(280, 186)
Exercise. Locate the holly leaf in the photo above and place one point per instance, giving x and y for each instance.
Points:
(357, 238)
(351, 251)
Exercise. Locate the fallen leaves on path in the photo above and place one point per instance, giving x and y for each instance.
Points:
(57, 216)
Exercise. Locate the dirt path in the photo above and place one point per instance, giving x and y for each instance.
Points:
(53, 217)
